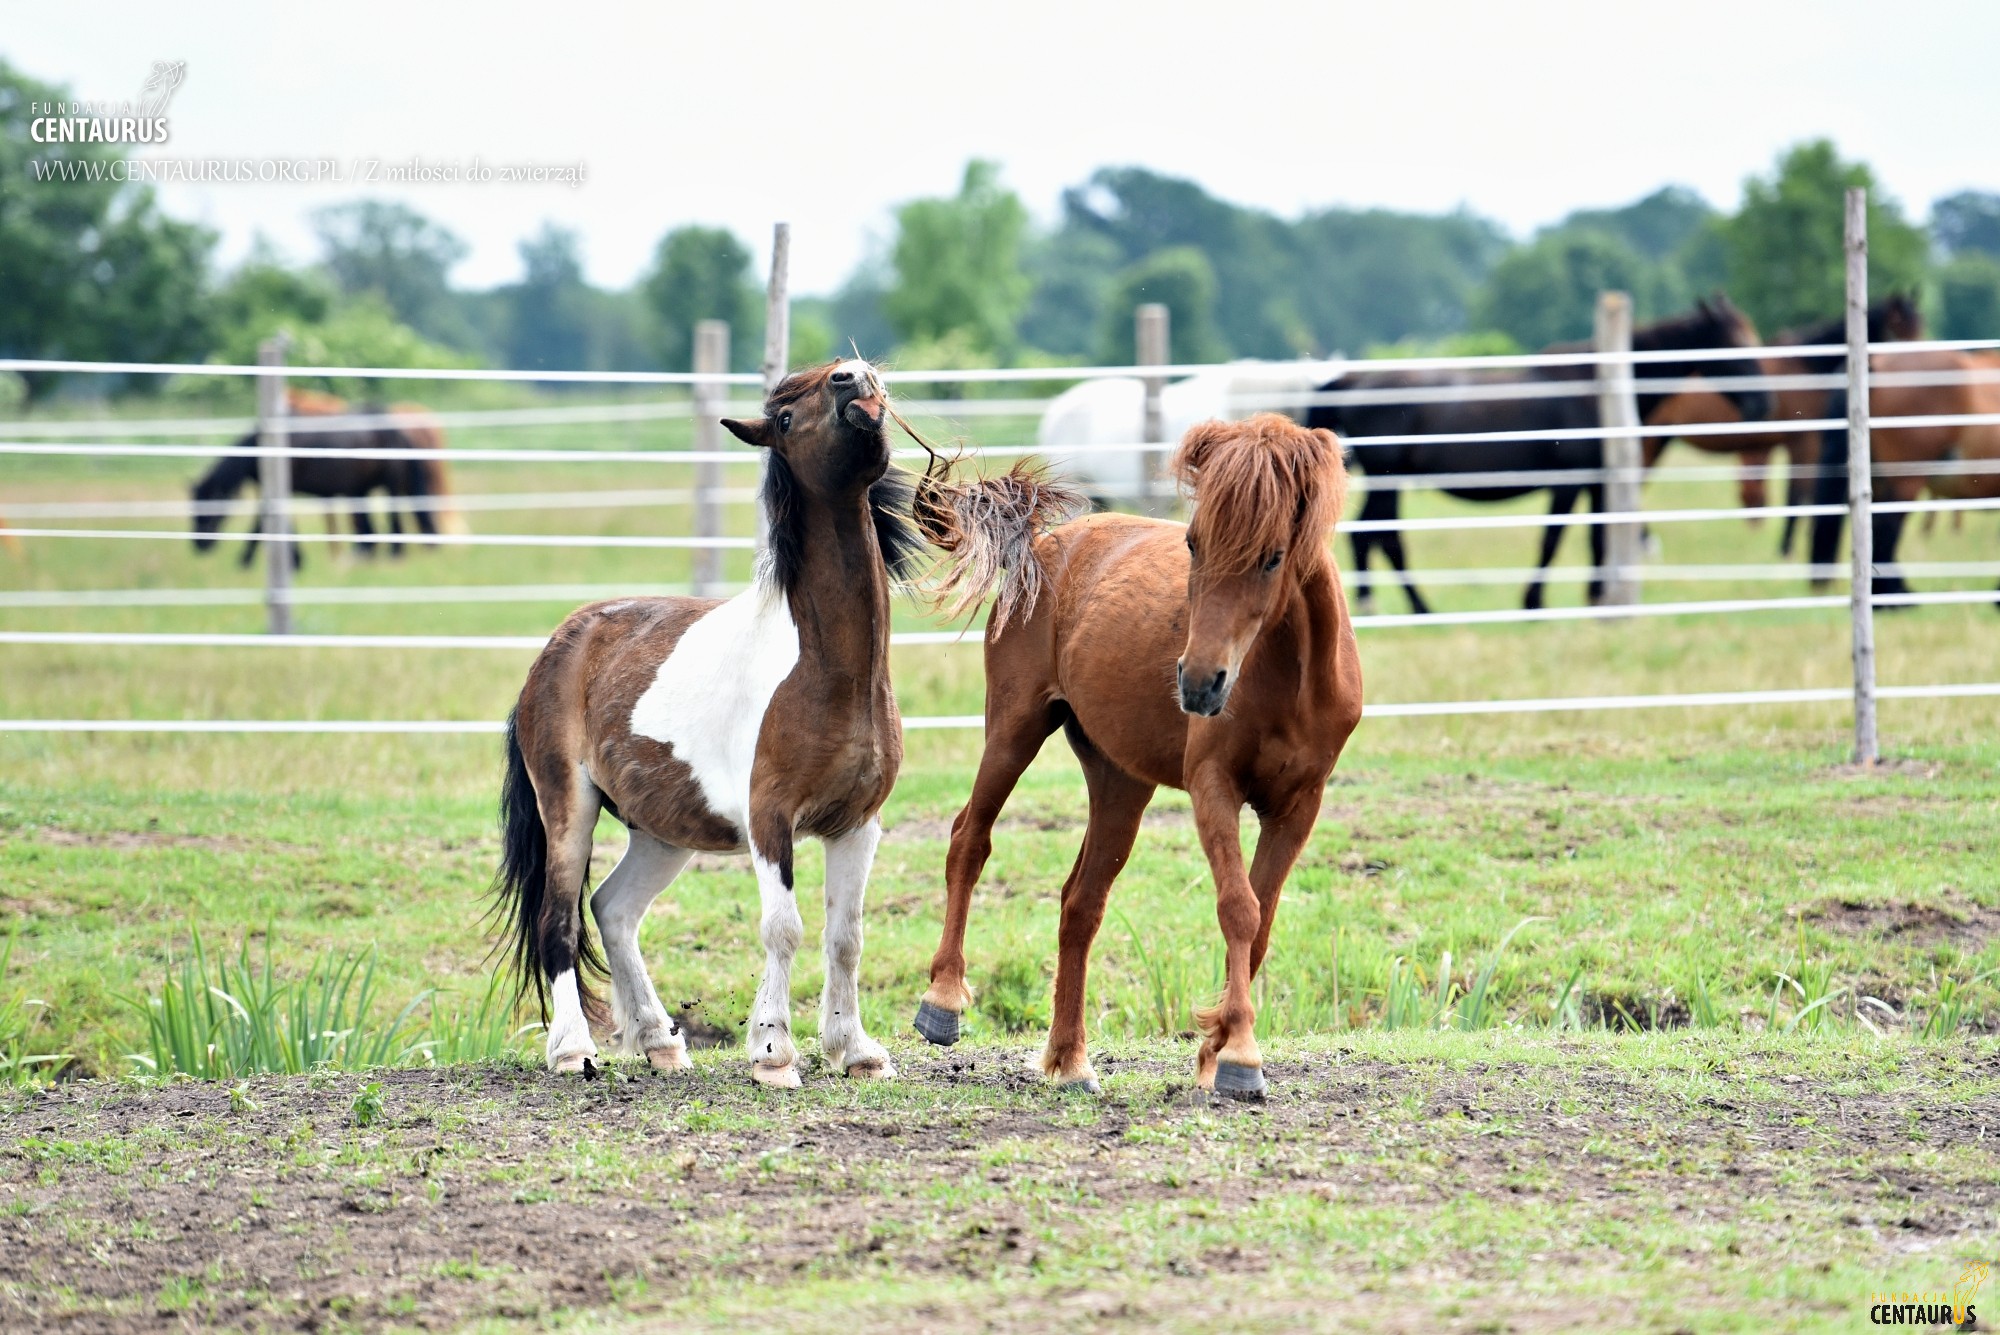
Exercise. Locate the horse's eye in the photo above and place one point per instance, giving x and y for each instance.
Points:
(1190, 543)
(784, 421)
(1272, 561)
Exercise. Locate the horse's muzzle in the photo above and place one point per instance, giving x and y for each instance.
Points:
(1203, 695)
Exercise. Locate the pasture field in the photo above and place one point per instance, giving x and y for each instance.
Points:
(1691, 1024)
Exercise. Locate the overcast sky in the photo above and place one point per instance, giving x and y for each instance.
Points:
(828, 114)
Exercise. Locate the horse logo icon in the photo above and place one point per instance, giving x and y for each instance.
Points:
(161, 86)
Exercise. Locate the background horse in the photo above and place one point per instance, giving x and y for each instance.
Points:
(721, 726)
(1215, 657)
(1714, 323)
(1967, 389)
(423, 484)
(1083, 424)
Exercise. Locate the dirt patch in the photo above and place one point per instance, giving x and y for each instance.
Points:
(126, 840)
(508, 1193)
(1957, 922)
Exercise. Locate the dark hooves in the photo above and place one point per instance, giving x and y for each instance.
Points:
(1239, 1082)
(936, 1024)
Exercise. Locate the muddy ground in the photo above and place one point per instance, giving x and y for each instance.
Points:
(1408, 1190)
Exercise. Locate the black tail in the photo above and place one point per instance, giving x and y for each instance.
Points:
(520, 890)
(1830, 488)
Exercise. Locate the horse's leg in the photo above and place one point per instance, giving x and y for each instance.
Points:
(1016, 727)
(639, 1023)
(1562, 500)
(773, 1058)
(1888, 531)
(842, 1039)
(1229, 1060)
(1117, 804)
(1386, 505)
(1598, 542)
(251, 544)
(1280, 839)
(1363, 546)
(569, 805)
(364, 530)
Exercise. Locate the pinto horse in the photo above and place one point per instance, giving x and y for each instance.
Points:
(422, 483)
(1216, 658)
(1714, 323)
(716, 727)
(1947, 384)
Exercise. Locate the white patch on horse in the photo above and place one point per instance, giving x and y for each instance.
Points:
(570, 1044)
(707, 700)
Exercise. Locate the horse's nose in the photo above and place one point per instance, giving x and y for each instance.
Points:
(843, 376)
(1203, 697)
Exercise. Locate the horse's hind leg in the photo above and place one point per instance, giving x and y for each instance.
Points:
(841, 1037)
(1561, 502)
(364, 528)
(639, 1022)
(1117, 804)
(569, 804)
(1016, 727)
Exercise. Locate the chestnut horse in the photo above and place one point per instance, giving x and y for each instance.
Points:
(1961, 384)
(1216, 657)
(708, 726)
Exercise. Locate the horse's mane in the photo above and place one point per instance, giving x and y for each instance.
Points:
(889, 502)
(1259, 486)
(1708, 325)
(1896, 305)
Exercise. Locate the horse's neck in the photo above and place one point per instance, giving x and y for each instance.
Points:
(1309, 626)
(840, 599)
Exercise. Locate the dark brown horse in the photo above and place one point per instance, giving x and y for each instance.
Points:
(1714, 323)
(1217, 658)
(722, 726)
(421, 484)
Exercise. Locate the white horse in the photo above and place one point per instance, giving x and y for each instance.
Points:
(1082, 430)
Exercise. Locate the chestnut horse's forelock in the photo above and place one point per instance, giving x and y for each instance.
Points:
(1259, 486)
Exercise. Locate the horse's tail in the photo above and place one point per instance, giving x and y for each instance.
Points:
(987, 528)
(421, 431)
(520, 889)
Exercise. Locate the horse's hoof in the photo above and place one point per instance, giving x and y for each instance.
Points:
(669, 1059)
(576, 1063)
(777, 1077)
(1087, 1085)
(1239, 1082)
(872, 1068)
(936, 1024)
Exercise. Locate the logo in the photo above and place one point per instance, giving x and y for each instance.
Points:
(1931, 1307)
(140, 122)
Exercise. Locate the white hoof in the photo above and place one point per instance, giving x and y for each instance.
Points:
(872, 1068)
(574, 1063)
(669, 1059)
(777, 1077)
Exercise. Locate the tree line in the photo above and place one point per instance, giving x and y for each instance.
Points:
(96, 271)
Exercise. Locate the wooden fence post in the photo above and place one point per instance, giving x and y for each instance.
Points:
(1618, 414)
(777, 341)
(274, 486)
(1860, 481)
(711, 358)
(1151, 339)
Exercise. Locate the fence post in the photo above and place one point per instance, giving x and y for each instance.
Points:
(1150, 341)
(711, 358)
(1860, 480)
(274, 486)
(1618, 414)
(777, 342)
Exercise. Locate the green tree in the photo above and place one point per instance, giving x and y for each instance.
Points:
(1658, 226)
(1785, 247)
(89, 267)
(390, 249)
(1179, 277)
(1546, 292)
(956, 264)
(703, 273)
(549, 323)
(1968, 297)
(1967, 221)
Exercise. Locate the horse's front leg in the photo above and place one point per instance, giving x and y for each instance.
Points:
(845, 1043)
(1230, 1061)
(773, 1058)
(1562, 500)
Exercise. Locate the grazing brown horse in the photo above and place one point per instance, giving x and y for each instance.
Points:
(721, 726)
(423, 483)
(1962, 388)
(1217, 658)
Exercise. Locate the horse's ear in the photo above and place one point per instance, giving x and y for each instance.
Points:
(756, 433)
